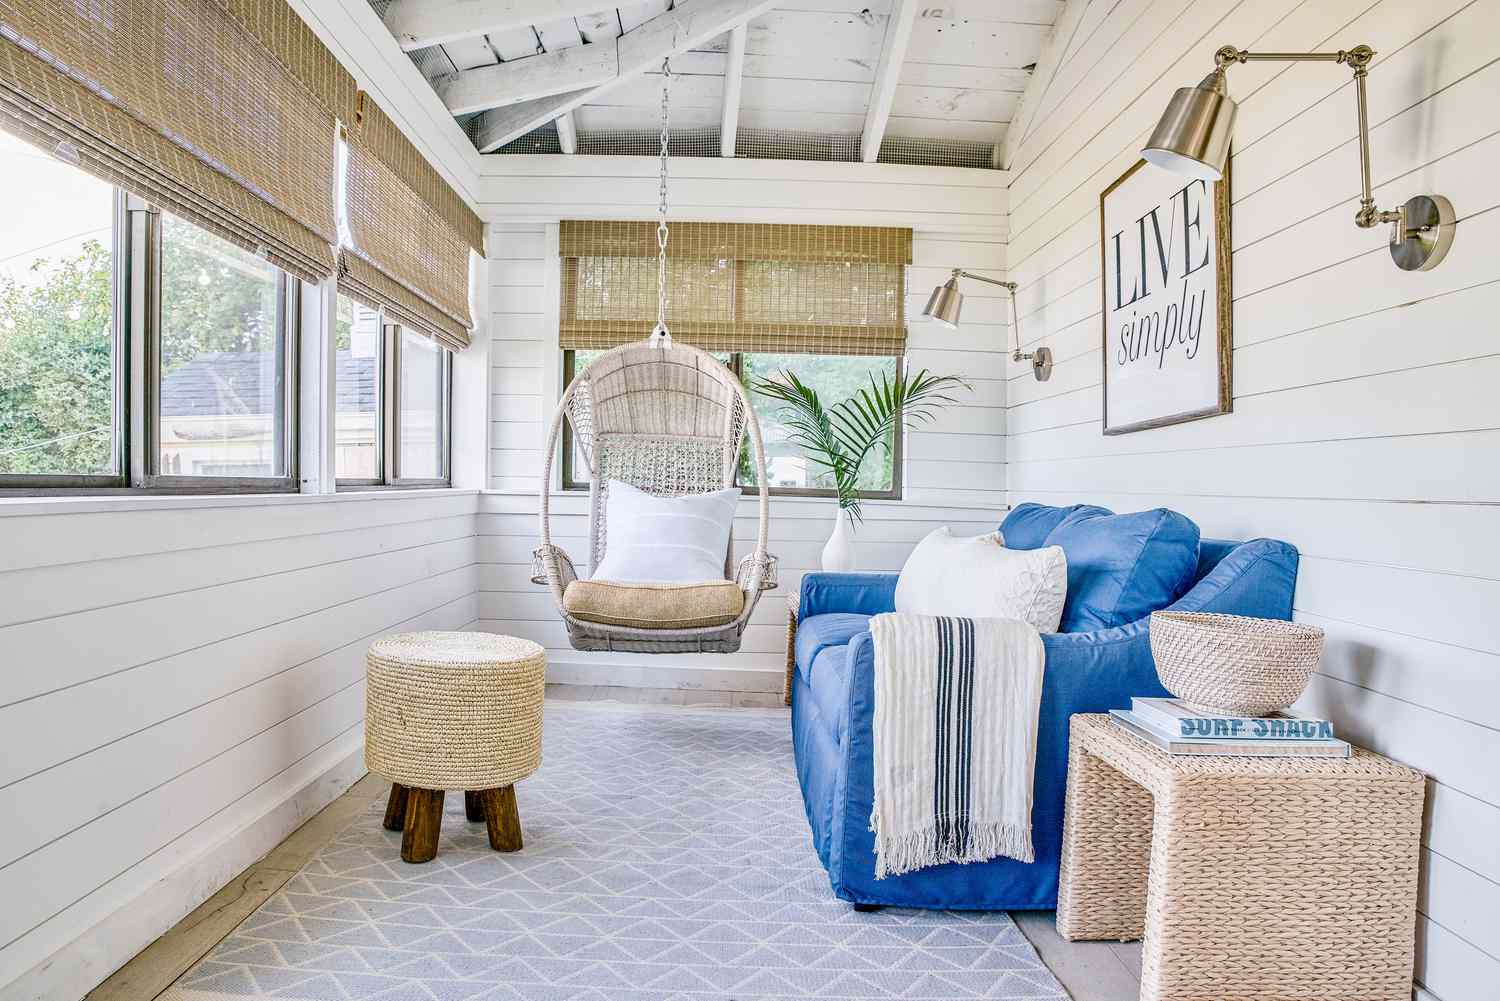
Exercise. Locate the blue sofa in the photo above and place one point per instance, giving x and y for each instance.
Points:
(1086, 671)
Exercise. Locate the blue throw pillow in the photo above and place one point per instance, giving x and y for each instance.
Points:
(1122, 567)
(1028, 525)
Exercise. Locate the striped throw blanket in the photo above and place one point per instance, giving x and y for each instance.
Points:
(956, 704)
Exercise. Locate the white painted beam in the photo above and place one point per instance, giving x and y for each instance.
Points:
(521, 80)
(567, 133)
(887, 74)
(498, 127)
(1041, 80)
(420, 23)
(691, 25)
(734, 80)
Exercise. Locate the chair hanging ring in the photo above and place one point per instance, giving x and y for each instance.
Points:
(661, 337)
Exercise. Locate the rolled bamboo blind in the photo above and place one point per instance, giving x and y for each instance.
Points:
(779, 289)
(411, 232)
(220, 112)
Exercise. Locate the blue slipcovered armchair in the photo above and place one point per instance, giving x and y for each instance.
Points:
(1086, 671)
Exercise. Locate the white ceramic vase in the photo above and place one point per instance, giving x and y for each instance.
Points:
(838, 552)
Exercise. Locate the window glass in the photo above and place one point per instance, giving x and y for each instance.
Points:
(357, 415)
(835, 378)
(222, 377)
(419, 425)
(56, 332)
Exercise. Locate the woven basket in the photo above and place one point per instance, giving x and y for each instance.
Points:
(1233, 664)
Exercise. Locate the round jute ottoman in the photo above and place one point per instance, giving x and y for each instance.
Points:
(448, 710)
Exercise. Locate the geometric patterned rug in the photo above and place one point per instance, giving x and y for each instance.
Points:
(666, 858)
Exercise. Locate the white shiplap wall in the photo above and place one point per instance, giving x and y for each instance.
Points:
(955, 468)
(181, 685)
(1366, 419)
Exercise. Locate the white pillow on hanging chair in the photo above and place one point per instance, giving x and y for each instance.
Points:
(665, 540)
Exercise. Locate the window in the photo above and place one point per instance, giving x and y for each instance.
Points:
(358, 438)
(58, 347)
(223, 390)
(96, 286)
(393, 415)
(419, 411)
(790, 471)
(835, 378)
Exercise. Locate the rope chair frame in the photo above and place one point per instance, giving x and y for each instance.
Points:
(669, 420)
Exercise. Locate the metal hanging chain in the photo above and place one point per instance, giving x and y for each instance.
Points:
(661, 223)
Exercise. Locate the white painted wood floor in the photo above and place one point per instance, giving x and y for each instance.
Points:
(1091, 971)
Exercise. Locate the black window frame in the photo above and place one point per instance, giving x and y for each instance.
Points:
(387, 421)
(135, 325)
(737, 366)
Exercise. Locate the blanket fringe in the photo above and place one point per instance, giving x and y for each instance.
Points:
(896, 855)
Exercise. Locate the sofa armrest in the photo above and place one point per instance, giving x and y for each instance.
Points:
(863, 593)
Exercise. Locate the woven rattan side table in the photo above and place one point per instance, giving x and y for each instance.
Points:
(449, 710)
(793, 600)
(1251, 878)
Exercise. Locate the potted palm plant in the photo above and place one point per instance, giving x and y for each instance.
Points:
(842, 436)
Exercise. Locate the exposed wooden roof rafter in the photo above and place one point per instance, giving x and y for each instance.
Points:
(887, 75)
(692, 24)
(522, 80)
(734, 81)
(420, 23)
(567, 133)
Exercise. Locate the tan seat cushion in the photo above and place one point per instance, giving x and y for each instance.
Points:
(654, 606)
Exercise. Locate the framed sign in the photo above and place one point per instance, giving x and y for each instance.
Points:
(1164, 246)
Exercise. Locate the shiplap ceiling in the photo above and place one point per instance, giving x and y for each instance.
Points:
(946, 73)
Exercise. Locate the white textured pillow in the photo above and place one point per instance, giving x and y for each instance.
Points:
(978, 578)
(665, 540)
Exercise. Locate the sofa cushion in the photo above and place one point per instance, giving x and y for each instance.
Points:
(1122, 567)
(1028, 525)
(979, 578)
(817, 632)
(830, 689)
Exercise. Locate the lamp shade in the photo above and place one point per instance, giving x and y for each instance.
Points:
(945, 303)
(1193, 134)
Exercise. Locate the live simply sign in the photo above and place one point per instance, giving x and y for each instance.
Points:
(1164, 242)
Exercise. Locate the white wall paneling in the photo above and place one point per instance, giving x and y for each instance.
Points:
(954, 468)
(1364, 411)
(543, 189)
(184, 685)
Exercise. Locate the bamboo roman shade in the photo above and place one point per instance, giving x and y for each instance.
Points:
(411, 232)
(219, 111)
(737, 287)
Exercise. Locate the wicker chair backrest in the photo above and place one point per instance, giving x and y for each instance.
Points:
(670, 392)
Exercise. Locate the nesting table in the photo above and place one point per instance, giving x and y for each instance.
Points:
(1245, 877)
(453, 710)
(793, 603)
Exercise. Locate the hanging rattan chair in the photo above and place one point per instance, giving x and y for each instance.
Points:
(668, 419)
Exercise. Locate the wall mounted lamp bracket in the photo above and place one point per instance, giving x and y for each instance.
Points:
(1193, 136)
(946, 302)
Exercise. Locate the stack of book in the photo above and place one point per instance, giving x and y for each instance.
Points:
(1176, 728)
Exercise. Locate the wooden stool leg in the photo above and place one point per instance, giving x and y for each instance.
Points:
(502, 818)
(424, 822)
(473, 806)
(395, 808)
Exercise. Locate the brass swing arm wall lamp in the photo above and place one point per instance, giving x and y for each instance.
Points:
(946, 302)
(1193, 136)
